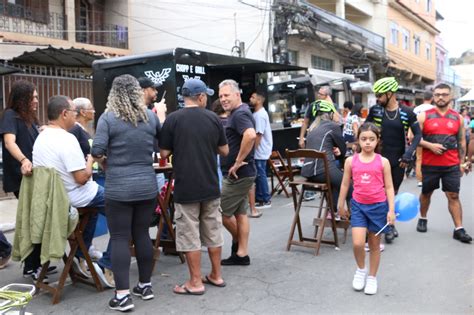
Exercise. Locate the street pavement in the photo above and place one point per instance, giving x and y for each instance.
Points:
(419, 273)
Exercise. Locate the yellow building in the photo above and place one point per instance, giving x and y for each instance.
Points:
(411, 40)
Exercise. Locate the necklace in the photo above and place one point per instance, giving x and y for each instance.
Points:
(388, 116)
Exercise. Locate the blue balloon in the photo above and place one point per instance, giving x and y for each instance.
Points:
(407, 206)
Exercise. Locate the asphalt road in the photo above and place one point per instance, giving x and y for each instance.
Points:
(419, 273)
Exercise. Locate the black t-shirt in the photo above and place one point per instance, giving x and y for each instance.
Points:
(240, 119)
(82, 137)
(25, 138)
(193, 135)
(393, 138)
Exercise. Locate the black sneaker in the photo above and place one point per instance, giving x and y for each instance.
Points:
(235, 260)
(394, 230)
(389, 236)
(422, 225)
(263, 205)
(146, 293)
(462, 236)
(35, 275)
(123, 305)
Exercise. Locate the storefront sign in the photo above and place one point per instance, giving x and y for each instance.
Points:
(361, 71)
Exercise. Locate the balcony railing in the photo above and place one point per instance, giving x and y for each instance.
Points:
(110, 35)
(341, 28)
(19, 19)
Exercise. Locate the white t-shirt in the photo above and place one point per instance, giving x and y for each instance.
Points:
(422, 108)
(262, 126)
(58, 149)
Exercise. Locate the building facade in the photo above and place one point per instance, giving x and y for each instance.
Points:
(53, 43)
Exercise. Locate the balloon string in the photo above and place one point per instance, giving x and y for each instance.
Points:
(397, 214)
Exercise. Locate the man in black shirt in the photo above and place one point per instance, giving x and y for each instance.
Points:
(394, 120)
(238, 170)
(195, 135)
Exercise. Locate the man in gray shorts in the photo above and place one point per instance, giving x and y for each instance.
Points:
(194, 135)
(238, 169)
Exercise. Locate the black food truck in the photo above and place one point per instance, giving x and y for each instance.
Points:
(172, 67)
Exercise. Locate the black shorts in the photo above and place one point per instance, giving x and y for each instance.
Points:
(450, 178)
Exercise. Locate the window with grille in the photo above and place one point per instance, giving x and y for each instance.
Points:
(322, 63)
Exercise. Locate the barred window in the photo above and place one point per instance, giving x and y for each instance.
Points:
(322, 63)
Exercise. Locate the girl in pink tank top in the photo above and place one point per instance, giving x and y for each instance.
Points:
(372, 204)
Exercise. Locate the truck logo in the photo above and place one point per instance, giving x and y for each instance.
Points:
(158, 77)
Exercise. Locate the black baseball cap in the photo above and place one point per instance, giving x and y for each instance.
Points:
(146, 83)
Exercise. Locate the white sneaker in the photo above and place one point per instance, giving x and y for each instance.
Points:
(358, 283)
(367, 249)
(94, 253)
(80, 266)
(420, 184)
(370, 285)
(105, 275)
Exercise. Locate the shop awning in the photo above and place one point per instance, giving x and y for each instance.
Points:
(320, 77)
(5, 69)
(51, 56)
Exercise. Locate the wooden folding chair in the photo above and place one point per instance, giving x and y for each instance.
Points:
(76, 241)
(325, 204)
(281, 171)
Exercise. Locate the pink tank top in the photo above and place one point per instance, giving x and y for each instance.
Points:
(368, 180)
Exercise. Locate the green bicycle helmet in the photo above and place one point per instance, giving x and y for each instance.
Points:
(322, 106)
(384, 85)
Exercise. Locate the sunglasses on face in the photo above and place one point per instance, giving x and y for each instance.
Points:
(379, 95)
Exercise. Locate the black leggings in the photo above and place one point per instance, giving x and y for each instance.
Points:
(335, 177)
(33, 260)
(130, 221)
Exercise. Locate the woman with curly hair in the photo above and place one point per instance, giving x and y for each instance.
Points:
(19, 130)
(124, 141)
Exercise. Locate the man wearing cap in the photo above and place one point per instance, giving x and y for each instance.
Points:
(194, 135)
(150, 92)
(238, 170)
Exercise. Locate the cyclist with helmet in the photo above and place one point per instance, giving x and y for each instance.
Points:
(395, 120)
(326, 136)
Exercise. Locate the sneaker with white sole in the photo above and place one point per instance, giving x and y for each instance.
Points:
(94, 253)
(124, 304)
(370, 285)
(358, 283)
(146, 293)
(80, 266)
(367, 248)
(105, 275)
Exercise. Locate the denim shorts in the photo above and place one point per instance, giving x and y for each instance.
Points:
(371, 216)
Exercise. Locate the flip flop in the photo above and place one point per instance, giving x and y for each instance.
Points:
(187, 291)
(258, 215)
(207, 280)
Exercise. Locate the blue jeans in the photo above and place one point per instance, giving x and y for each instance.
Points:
(262, 193)
(5, 246)
(99, 203)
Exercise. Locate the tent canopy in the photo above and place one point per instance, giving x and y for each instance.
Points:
(469, 96)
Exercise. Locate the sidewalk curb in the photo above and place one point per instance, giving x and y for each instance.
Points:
(7, 227)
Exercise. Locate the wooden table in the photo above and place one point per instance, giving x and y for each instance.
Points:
(166, 203)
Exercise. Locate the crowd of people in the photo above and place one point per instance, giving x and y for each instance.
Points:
(226, 152)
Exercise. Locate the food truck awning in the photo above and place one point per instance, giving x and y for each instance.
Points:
(258, 67)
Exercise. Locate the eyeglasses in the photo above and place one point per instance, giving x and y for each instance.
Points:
(72, 110)
(90, 110)
(441, 94)
(379, 95)
(322, 94)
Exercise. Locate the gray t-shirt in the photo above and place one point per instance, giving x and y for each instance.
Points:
(129, 175)
(262, 126)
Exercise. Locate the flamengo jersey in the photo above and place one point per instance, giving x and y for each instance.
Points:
(442, 129)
